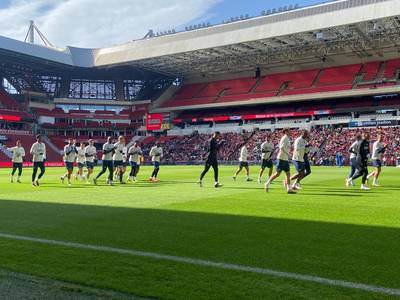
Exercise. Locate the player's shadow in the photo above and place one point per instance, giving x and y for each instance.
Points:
(330, 194)
(259, 188)
(359, 253)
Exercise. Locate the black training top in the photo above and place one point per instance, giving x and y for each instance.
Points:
(364, 150)
(213, 149)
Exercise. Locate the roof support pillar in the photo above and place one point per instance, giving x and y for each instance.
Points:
(119, 89)
(64, 87)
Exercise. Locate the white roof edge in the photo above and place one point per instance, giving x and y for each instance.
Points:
(211, 37)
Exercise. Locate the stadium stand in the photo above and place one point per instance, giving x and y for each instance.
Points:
(370, 71)
(391, 68)
(8, 102)
(326, 142)
(332, 79)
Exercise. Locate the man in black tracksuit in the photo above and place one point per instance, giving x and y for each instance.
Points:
(212, 159)
(362, 162)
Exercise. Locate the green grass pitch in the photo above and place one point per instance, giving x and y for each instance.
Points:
(326, 230)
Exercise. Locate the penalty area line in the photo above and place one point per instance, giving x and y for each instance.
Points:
(213, 264)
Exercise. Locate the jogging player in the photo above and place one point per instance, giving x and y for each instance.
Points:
(70, 152)
(118, 159)
(90, 158)
(300, 146)
(378, 149)
(267, 150)
(212, 159)
(362, 163)
(282, 162)
(156, 153)
(107, 158)
(38, 152)
(243, 163)
(18, 154)
(354, 150)
(80, 159)
(134, 154)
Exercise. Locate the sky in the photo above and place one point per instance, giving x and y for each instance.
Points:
(100, 23)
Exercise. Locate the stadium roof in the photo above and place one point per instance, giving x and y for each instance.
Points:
(356, 30)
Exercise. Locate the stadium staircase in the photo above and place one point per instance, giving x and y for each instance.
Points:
(133, 140)
(53, 153)
(5, 155)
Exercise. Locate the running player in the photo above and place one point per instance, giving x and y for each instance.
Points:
(307, 167)
(212, 159)
(134, 154)
(18, 154)
(378, 149)
(267, 150)
(70, 152)
(362, 163)
(300, 145)
(38, 152)
(156, 153)
(107, 158)
(354, 150)
(90, 157)
(81, 159)
(283, 162)
(118, 159)
(243, 163)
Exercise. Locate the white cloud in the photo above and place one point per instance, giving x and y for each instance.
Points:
(97, 23)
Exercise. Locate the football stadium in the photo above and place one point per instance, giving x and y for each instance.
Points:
(255, 158)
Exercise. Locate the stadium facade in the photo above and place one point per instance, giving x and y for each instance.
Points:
(334, 63)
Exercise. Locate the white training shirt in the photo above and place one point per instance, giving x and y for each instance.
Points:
(119, 151)
(243, 154)
(135, 152)
(71, 149)
(18, 154)
(284, 148)
(38, 151)
(376, 150)
(355, 148)
(91, 151)
(156, 153)
(107, 147)
(267, 149)
(299, 149)
(81, 155)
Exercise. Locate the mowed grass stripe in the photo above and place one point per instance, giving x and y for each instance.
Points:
(326, 230)
(219, 265)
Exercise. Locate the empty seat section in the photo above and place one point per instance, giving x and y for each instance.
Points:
(7, 102)
(301, 79)
(189, 91)
(213, 89)
(370, 70)
(271, 82)
(391, 66)
(339, 75)
(239, 86)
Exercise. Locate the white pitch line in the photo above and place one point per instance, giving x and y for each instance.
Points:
(207, 263)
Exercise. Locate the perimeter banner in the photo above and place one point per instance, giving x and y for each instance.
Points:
(373, 123)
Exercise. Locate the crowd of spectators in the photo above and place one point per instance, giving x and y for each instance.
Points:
(326, 143)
